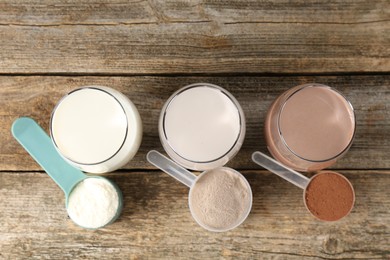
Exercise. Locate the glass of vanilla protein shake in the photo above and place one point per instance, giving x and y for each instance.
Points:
(202, 126)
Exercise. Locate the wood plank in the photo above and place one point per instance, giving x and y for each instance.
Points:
(35, 12)
(279, 11)
(36, 96)
(195, 48)
(56, 12)
(156, 222)
(157, 37)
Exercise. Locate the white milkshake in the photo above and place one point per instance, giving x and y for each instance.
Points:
(96, 128)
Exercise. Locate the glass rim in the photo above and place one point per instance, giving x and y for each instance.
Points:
(311, 85)
(59, 103)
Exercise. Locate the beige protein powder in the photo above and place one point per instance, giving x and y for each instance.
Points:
(220, 199)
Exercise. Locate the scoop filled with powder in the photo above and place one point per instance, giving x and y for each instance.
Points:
(329, 196)
(92, 202)
(220, 199)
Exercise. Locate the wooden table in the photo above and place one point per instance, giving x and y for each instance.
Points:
(149, 49)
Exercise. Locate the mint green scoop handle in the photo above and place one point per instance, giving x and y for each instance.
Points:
(39, 145)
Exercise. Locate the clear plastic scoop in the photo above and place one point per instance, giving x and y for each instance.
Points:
(328, 195)
(279, 169)
(173, 169)
(190, 180)
(39, 145)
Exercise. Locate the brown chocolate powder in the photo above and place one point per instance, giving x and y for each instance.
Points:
(329, 196)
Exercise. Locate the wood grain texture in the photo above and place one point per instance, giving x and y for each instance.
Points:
(76, 12)
(156, 222)
(157, 37)
(36, 97)
(147, 50)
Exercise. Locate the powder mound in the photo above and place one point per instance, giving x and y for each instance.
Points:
(93, 203)
(220, 199)
(329, 196)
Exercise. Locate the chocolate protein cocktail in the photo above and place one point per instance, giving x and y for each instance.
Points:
(309, 127)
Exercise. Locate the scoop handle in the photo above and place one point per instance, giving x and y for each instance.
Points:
(279, 169)
(39, 145)
(176, 171)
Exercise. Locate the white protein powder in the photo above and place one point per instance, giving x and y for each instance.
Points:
(93, 203)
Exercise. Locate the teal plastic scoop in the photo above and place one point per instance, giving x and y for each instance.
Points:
(39, 145)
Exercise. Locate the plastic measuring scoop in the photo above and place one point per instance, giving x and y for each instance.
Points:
(39, 145)
(318, 204)
(190, 180)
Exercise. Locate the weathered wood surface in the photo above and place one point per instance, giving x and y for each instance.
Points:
(57, 12)
(157, 37)
(156, 222)
(149, 49)
(36, 97)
